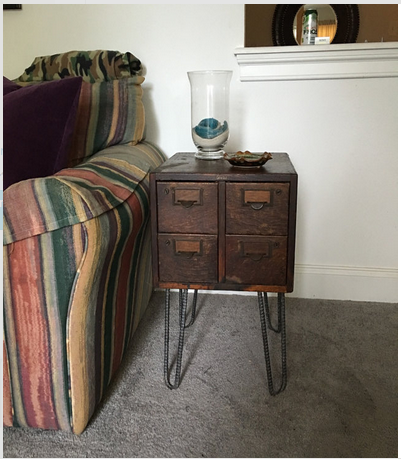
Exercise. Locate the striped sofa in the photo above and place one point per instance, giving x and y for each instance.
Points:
(76, 253)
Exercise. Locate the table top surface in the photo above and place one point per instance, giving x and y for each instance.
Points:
(187, 163)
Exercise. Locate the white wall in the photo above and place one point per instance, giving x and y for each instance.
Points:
(341, 134)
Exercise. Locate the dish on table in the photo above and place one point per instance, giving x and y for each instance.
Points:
(247, 159)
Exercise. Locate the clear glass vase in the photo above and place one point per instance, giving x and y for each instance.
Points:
(210, 91)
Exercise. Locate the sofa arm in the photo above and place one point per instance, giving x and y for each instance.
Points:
(36, 206)
(74, 296)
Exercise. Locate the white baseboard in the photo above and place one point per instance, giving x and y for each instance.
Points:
(344, 283)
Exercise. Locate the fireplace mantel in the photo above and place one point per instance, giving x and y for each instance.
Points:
(318, 62)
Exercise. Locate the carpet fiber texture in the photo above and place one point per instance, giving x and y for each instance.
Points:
(340, 401)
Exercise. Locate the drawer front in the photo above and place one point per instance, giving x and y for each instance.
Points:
(189, 259)
(257, 208)
(187, 207)
(256, 260)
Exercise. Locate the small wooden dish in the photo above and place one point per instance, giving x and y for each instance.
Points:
(247, 159)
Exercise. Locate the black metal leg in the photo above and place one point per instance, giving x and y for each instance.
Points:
(264, 310)
(267, 311)
(194, 300)
(183, 301)
(266, 324)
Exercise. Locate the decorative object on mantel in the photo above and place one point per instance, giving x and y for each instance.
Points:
(347, 18)
(309, 26)
(247, 159)
(209, 111)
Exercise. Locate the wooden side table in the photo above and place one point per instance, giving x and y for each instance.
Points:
(218, 227)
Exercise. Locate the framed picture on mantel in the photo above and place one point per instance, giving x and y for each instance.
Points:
(12, 7)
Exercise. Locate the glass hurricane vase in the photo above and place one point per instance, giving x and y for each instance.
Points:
(210, 91)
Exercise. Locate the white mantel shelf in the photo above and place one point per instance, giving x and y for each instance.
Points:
(318, 62)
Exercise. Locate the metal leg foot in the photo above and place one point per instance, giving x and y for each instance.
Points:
(183, 300)
(265, 313)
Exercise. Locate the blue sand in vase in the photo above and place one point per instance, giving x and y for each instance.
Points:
(209, 128)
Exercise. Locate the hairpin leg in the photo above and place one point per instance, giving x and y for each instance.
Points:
(183, 299)
(267, 311)
(194, 300)
(264, 311)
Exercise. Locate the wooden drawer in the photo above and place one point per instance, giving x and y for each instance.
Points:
(185, 258)
(257, 260)
(257, 208)
(187, 207)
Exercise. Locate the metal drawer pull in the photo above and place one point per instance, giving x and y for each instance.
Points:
(257, 206)
(256, 256)
(187, 197)
(186, 254)
(188, 249)
(255, 251)
(257, 199)
(186, 204)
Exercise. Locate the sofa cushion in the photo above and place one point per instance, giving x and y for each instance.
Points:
(111, 110)
(38, 122)
(109, 113)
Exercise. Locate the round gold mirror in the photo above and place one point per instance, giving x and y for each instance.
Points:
(338, 23)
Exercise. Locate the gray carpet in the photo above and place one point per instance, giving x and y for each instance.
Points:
(341, 398)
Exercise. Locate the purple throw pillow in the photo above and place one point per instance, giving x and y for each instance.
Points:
(38, 123)
(9, 86)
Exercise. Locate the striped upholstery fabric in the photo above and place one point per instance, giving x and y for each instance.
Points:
(77, 280)
(110, 109)
(109, 113)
